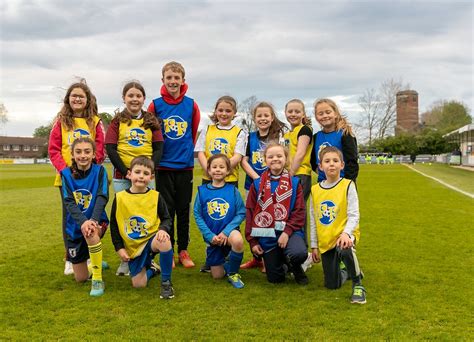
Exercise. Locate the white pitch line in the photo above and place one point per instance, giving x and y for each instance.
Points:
(441, 182)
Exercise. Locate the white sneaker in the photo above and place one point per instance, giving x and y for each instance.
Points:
(308, 263)
(68, 270)
(123, 269)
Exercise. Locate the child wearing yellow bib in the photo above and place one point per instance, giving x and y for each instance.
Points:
(77, 119)
(140, 226)
(335, 225)
(223, 137)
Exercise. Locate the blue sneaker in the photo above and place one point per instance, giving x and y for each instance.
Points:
(97, 288)
(235, 281)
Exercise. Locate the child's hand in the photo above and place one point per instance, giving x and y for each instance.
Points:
(215, 240)
(344, 241)
(315, 255)
(283, 240)
(88, 228)
(123, 254)
(162, 236)
(222, 238)
(257, 250)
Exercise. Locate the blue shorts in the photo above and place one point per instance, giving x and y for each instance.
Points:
(77, 250)
(216, 255)
(143, 260)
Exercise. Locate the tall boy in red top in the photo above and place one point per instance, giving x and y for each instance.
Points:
(174, 177)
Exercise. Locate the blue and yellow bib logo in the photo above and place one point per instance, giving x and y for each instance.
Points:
(136, 137)
(136, 227)
(322, 146)
(175, 127)
(258, 161)
(83, 199)
(327, 212)
(219, 145)
(217, 208)
(76, 134)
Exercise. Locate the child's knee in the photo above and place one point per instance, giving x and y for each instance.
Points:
(238, 245)
(81, 278)
(139, 283)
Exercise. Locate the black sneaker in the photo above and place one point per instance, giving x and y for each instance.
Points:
(300, 277)
(205, 269)
(155, 268)
(167, 291)
(358, 295)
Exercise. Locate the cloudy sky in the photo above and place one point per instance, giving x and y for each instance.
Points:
(275, 50)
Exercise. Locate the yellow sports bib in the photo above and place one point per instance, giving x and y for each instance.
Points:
(330, 211)
(291, 140)
(137, 219)
(134, 141)
(81, 129)
(222, 141)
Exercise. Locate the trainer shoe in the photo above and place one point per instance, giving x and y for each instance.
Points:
(308, 263)
(105, 264)
(358, 295)
(235, 281)
(68, 270)
(300, 276)
(97, 288)
(123, 269)
(167, 291)
(253, 263)
(185, 259)
(155, 268)
(205, 269)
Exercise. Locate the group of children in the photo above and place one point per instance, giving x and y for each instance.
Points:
(159, 144)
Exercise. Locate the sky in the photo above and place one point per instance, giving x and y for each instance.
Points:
(275, 50)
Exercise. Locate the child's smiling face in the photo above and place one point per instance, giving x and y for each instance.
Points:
(77, 100)
(224, 113)
(275, 158)
(173, 81)
(83, 154)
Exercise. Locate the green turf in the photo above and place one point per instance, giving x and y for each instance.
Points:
(460, 178)
(416, 252)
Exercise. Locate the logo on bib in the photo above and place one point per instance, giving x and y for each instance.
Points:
(219, 145)
(136, 227)
(175, 127)
(76, 134)
(217, 208)
(136, 137)
(258, 161)
(83, 198)
(327, 212)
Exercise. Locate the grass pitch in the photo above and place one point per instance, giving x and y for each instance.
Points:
(416, 251)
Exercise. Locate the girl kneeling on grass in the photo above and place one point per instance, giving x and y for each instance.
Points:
(275, 216)
(219, 211)
(85, 195)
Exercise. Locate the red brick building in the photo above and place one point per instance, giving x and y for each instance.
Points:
(407, 112)
(22, 147)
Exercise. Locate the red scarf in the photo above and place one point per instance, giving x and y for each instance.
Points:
(272, 208)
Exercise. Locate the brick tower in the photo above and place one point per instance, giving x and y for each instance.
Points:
(407, 112)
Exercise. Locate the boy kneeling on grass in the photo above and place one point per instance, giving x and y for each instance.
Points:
(335, 225)
(140, 225)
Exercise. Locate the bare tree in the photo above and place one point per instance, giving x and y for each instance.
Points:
(3, 114)
(369, 101)
(245, 111)
(388, 106)
(380, 109)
